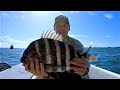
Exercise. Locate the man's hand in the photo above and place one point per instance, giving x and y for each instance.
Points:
(79, 65)
(35, 69)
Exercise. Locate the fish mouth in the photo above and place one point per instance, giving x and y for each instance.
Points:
(24, 61)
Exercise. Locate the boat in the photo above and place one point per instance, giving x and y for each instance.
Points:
(18, 72)
(11, 47)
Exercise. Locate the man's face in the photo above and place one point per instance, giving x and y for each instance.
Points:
(62, 28)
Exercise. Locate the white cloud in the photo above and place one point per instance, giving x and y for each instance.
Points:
(78, 36)
(7, 40)
(22, 17)
(83, 36)
(91, 13)
(108, 16)
(0, 23)
(87, 42)
(0, 44)
(74, 11)
(23, 12)
(4, 14)
(71, 12)
(99, 44)
(92, 43)
(43, 12)
(59, 12)
(107, 36)
(50, 12)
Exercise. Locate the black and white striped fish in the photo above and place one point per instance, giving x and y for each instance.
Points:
(52, 52)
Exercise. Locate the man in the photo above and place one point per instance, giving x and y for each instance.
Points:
(78, 65)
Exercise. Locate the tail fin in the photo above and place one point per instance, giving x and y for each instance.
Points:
(88, 56)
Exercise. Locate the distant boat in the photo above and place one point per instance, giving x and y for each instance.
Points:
(109, 47)
(11, 47)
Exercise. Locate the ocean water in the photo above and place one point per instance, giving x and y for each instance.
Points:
(11, 56)
(107, 58)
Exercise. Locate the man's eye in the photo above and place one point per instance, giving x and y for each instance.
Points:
(65, 25)
(58, 26)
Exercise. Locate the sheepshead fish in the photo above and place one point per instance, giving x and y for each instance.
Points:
(52, 52)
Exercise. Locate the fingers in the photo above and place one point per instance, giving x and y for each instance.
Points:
(78, 70)
(80, 63)
(37, 67)
(81, 60)
(42, 70)
(32, 67)
(79, 66)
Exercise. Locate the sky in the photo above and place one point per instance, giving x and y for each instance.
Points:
(20, 28)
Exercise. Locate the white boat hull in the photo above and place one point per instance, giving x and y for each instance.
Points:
(18, 72)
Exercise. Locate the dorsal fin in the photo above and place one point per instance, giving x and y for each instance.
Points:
(52, 35)
(89, 48)
(42, 34)
(46, 34)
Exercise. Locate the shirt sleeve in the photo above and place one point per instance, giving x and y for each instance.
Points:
(79, 46)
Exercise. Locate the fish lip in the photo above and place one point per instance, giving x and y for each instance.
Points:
(24, 61)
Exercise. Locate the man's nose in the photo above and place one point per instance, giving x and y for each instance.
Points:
(61, 27)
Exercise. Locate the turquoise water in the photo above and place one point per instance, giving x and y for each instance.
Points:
(108, 58)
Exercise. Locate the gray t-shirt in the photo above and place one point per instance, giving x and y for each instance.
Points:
(75, 43)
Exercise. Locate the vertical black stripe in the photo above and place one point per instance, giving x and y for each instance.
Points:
(62, 53)
(53, 52)
(42, 50)
(72, 54)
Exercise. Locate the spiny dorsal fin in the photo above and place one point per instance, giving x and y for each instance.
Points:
(42, 34)
(46, 33)
(89, 48)
(52, 35)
